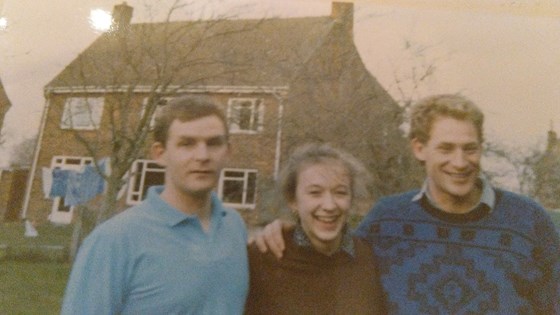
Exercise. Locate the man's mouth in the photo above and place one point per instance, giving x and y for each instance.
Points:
(459, 175)
(202, 172)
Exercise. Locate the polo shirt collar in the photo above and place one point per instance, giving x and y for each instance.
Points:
(488, 196)
(172, 216)
(347, 246)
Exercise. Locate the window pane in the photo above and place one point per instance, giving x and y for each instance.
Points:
(251, 188)
(81, 112)
(62, 207)
(72, 161)
(138, 176)
(245, 113)
(151, 179)
(236, 174)
(233, 192)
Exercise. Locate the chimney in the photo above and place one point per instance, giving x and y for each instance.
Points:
(122, 14)
(343, 14)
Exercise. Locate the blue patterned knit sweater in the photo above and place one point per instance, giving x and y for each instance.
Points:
(500, 261)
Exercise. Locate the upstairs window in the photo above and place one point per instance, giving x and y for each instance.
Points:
(245, 115)
(161, 102)
(82, 113)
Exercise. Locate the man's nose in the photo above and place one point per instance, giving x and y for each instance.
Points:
(459, 159)
(201, 151)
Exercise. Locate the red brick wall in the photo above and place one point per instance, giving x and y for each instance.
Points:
(254, 151)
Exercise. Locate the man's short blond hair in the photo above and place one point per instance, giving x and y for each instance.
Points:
(426, 110)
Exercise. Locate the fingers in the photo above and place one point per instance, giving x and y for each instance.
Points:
(272, 234)
(258, 239)
(271, 237)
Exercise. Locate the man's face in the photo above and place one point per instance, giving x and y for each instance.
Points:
(452, 160)
(194, 155)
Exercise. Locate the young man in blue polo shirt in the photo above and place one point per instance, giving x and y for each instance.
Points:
(459, 245)
(179, 251)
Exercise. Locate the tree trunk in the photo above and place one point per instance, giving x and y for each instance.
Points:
(109, 200)
(76, 235)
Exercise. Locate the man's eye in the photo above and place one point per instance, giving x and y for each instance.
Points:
(216, 142)
(473, 149)
(186, 143)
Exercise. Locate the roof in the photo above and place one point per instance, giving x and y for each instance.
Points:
(194, 53)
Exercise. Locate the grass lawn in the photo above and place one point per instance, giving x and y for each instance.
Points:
(13, 234)
(32, 288)
(29, 283)
(51, 244)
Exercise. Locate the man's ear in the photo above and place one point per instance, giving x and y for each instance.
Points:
(418, 149)
(157, 152)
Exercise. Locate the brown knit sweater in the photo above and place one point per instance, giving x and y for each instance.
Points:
(305, 281)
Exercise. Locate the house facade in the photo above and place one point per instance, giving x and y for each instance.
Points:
(281, 82)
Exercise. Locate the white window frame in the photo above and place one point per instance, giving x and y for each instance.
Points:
(159, 106)
(135, 192)
(245, 180)
(256, 121)
(74, 163)
(82, 113)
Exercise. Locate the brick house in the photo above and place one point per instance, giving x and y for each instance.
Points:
(280, 81)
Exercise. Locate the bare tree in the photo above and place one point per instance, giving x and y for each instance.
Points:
(22, 154)
(547, 173)
(512, 165)
(154, 60)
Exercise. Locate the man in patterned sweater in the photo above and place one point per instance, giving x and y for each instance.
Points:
(458, 245)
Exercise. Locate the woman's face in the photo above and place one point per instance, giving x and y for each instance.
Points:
(322, 200)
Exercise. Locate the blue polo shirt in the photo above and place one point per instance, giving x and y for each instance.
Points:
(154, 259)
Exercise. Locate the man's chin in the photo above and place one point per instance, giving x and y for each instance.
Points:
(463, 193)
(200, 192)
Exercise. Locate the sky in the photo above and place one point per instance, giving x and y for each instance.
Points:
(501, 54)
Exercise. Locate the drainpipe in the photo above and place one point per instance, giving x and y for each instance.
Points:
(277, 154)
(36, 152)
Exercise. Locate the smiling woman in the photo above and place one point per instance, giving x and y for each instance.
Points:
(100, 20)
(324, 268)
